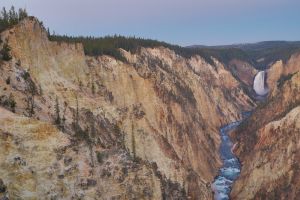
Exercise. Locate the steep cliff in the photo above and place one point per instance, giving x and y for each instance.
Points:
(279, 71)
(268, 143)
(96, 127)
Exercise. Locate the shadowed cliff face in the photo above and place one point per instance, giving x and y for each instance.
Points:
(146, 129)
(268, 144)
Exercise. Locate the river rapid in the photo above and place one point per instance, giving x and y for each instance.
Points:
(231, 167)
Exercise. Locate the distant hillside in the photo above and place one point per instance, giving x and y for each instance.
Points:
(261, 54)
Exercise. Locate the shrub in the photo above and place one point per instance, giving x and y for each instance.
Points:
(101, 156)
(284, 78)
(6, 52)
(8, 81)
(25, 75)
(57, 120)
(11, 17)
(31, 91)
(9, 102)
(12, 102)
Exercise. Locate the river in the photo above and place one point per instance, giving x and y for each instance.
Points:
(231, 167)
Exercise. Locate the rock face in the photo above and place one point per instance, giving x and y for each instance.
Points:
(243, 71)
(98, 128)
(40, 161)
(280, 70)
(268, 144)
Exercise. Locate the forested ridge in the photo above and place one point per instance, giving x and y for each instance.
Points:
(110, 45)
(11, 17)
(259, 55)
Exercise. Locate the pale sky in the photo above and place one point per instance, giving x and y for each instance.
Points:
(183, 22)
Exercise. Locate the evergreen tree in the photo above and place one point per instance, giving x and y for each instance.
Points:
(12, 103)
(22, 14)
(30, 92)
(11, 17)
(6, 52)
(4, 17)
(57, 113)
(48, 32)
(93, 85)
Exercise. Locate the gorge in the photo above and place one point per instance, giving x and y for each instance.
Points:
(231, 167)
(154, 122)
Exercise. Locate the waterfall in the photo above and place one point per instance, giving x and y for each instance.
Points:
(259, 84)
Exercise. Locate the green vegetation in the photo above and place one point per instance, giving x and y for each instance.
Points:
(133, 144)
(101, 156)
(11, 17)
(80, 133)
(110, 45)
(5, 52)
(57, 113)
(269, 56)
(12, 103)
(284, 78)
(260, 54)
(93, 86)
(26, 75)
(7, 80)
(30, 91)
(8, 102)
(58, 120)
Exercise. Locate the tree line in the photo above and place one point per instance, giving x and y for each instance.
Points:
(11, 17)
(110, 45)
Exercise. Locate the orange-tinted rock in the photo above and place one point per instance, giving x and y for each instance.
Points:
(163, 109)
(268, 147)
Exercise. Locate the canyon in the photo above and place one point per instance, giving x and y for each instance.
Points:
(75, 126)
(268, 141)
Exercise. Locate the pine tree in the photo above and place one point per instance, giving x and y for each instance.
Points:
(63, 120)
(31, 91)
(22, 14)
(11, 17)
(4, 17)
(48, 32)
(6, 52)
(93, 85)
(57, 113)
(12, 103)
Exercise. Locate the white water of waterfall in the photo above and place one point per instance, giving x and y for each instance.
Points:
(259, 84)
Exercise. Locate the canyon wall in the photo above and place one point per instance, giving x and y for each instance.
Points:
(281, 70)
(268, 142)
(96, 127)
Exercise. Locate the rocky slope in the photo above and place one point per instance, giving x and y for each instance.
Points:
(280, 71)
(268, 142)
(243, 71)
(97, 128)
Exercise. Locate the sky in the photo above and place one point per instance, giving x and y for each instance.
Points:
(183, 22)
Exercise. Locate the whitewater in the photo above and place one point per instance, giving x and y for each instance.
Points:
(231, 167)
(259, 84)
